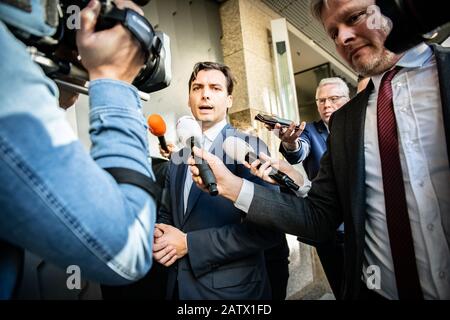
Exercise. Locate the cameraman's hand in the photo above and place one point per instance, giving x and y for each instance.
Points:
(167, 154)
(112, 53)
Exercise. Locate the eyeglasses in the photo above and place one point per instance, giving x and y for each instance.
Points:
(332, 99)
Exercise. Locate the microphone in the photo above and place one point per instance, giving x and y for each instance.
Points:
(190, 135)
(157, 127)
(241, 151)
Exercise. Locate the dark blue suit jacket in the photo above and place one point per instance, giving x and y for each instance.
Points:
(315, 135)
(226, 257)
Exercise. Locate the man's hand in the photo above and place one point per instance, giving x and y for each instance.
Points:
(112, 53)
(228, 184)
(288, 135)
(280, 164)
(164, 255)
(169, 244)
(166, 154)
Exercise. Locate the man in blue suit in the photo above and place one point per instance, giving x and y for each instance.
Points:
(307, 146)
(211, 253)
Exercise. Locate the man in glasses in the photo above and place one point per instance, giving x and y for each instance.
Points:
(308, 143)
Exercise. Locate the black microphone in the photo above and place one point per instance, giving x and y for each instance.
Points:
(241, 151)
(190, 134)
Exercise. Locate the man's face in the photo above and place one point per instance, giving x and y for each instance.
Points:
(329, 98)
(359, 35)
(209, 98)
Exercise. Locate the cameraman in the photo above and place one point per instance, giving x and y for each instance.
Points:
(55, 199)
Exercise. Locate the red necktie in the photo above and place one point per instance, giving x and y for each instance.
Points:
(399, 228)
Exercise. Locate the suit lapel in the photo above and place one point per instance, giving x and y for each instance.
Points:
(322, 129)
(195, 192)
(354, 145)
(442, 62)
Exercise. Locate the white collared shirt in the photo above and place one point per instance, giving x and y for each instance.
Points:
(423, 157)
(208, 138)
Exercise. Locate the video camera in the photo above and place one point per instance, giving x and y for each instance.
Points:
(57, 54)
(415, 21)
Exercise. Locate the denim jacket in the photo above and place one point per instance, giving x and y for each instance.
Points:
(55, 198)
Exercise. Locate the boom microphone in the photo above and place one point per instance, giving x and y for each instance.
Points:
(157, 127)
(190, 134)
(241, 151)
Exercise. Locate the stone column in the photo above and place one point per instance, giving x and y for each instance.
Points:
(247, 50)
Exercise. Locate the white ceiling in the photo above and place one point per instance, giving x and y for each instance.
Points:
(303, 56)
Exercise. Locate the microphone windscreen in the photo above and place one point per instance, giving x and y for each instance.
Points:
(156, 125)
(188, 127)
(236, 148)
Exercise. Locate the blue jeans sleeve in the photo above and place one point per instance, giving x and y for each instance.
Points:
(55, 198)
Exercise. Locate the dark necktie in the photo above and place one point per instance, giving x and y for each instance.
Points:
(399, 228)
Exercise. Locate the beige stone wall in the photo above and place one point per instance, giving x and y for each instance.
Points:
(247, 50)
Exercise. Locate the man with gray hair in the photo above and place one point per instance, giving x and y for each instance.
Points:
(307, 144)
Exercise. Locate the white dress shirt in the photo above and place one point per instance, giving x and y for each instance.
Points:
(245, 196)
(208, 138)
(423, 157)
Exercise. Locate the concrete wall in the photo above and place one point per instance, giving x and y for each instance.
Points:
(195, 31)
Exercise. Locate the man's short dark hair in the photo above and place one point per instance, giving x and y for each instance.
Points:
(214, 66)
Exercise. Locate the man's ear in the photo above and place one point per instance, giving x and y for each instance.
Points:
(229, 101)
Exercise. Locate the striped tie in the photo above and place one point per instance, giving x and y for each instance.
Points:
(399, 228)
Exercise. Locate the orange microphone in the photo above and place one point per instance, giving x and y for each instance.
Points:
(157, 127)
